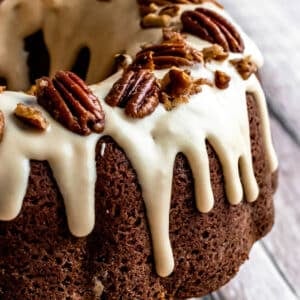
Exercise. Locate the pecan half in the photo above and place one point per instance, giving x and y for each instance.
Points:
(2, 125)
(2, 88)
(245, 67)
(69, 101)
(136, 91)
(168, 54)
(213, 28)
(221, 80)
(31, 116)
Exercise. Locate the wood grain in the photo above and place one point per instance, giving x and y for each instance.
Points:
(275, 27)
(258, 279)
(283, 244)
(273, 269)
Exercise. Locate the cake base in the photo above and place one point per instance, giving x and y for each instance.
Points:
(39, 256)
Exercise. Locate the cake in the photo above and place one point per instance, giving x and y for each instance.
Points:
(153, 183)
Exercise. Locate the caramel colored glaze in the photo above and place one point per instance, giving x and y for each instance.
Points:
(39, 256)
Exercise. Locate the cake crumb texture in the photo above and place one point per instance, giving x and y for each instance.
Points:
(40, 257)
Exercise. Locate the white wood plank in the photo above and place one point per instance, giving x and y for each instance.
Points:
(284, 241)
(258, 279)
(274, 25)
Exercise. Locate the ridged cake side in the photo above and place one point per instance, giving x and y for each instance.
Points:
(39, 256)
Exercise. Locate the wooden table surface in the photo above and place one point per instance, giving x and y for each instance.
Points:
(273, 271)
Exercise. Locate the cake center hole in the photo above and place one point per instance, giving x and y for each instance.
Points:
(82, 63)
(3, 81)
(38, 60)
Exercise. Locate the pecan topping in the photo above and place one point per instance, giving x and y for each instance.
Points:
(215, 52)
(170, 10)
(31, 116)
(167, 2)
(137, 91)
(152, 20)
(221, 80)
(245, 66)
(32, 90)
(69, 101)
(168, 54)
(171, 35)
(122, 61)
(177, 82)
(148, 9)
(2, 125)
(176, 87)
(213, 28)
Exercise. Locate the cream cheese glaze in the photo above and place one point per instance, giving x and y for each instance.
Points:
(70, 25)
(151, 144)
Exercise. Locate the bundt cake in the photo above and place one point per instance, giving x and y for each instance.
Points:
(153, 183)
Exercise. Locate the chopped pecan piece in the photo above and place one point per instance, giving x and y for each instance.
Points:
(215, 52)
(168, 54)
(31, 116)
(171, 35)
(177, 83)
(148, 9)
(221, 80)
(170, 10)
(2, 125)
(213, 28)
(152, 20)
(136, 91)
(69, 101)
(176, 87)
(198, 83)
(245, 67)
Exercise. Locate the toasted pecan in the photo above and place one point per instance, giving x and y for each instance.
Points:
(168, 54)
(215, 52)
(244, 66)
(177, 85)
(221, 80)
(136, 91)
(31, 116)
(212, 27)
(69, 101)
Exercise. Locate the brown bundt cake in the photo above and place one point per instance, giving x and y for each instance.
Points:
(152, 184)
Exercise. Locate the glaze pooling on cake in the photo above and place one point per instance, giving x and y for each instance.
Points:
(151, 144)
(66, 23)
(76, 24)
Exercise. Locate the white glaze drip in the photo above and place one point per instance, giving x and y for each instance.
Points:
(64, 151)
(151, 144)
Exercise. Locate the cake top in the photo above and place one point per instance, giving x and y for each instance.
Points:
(69, 26)
(184, 87)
